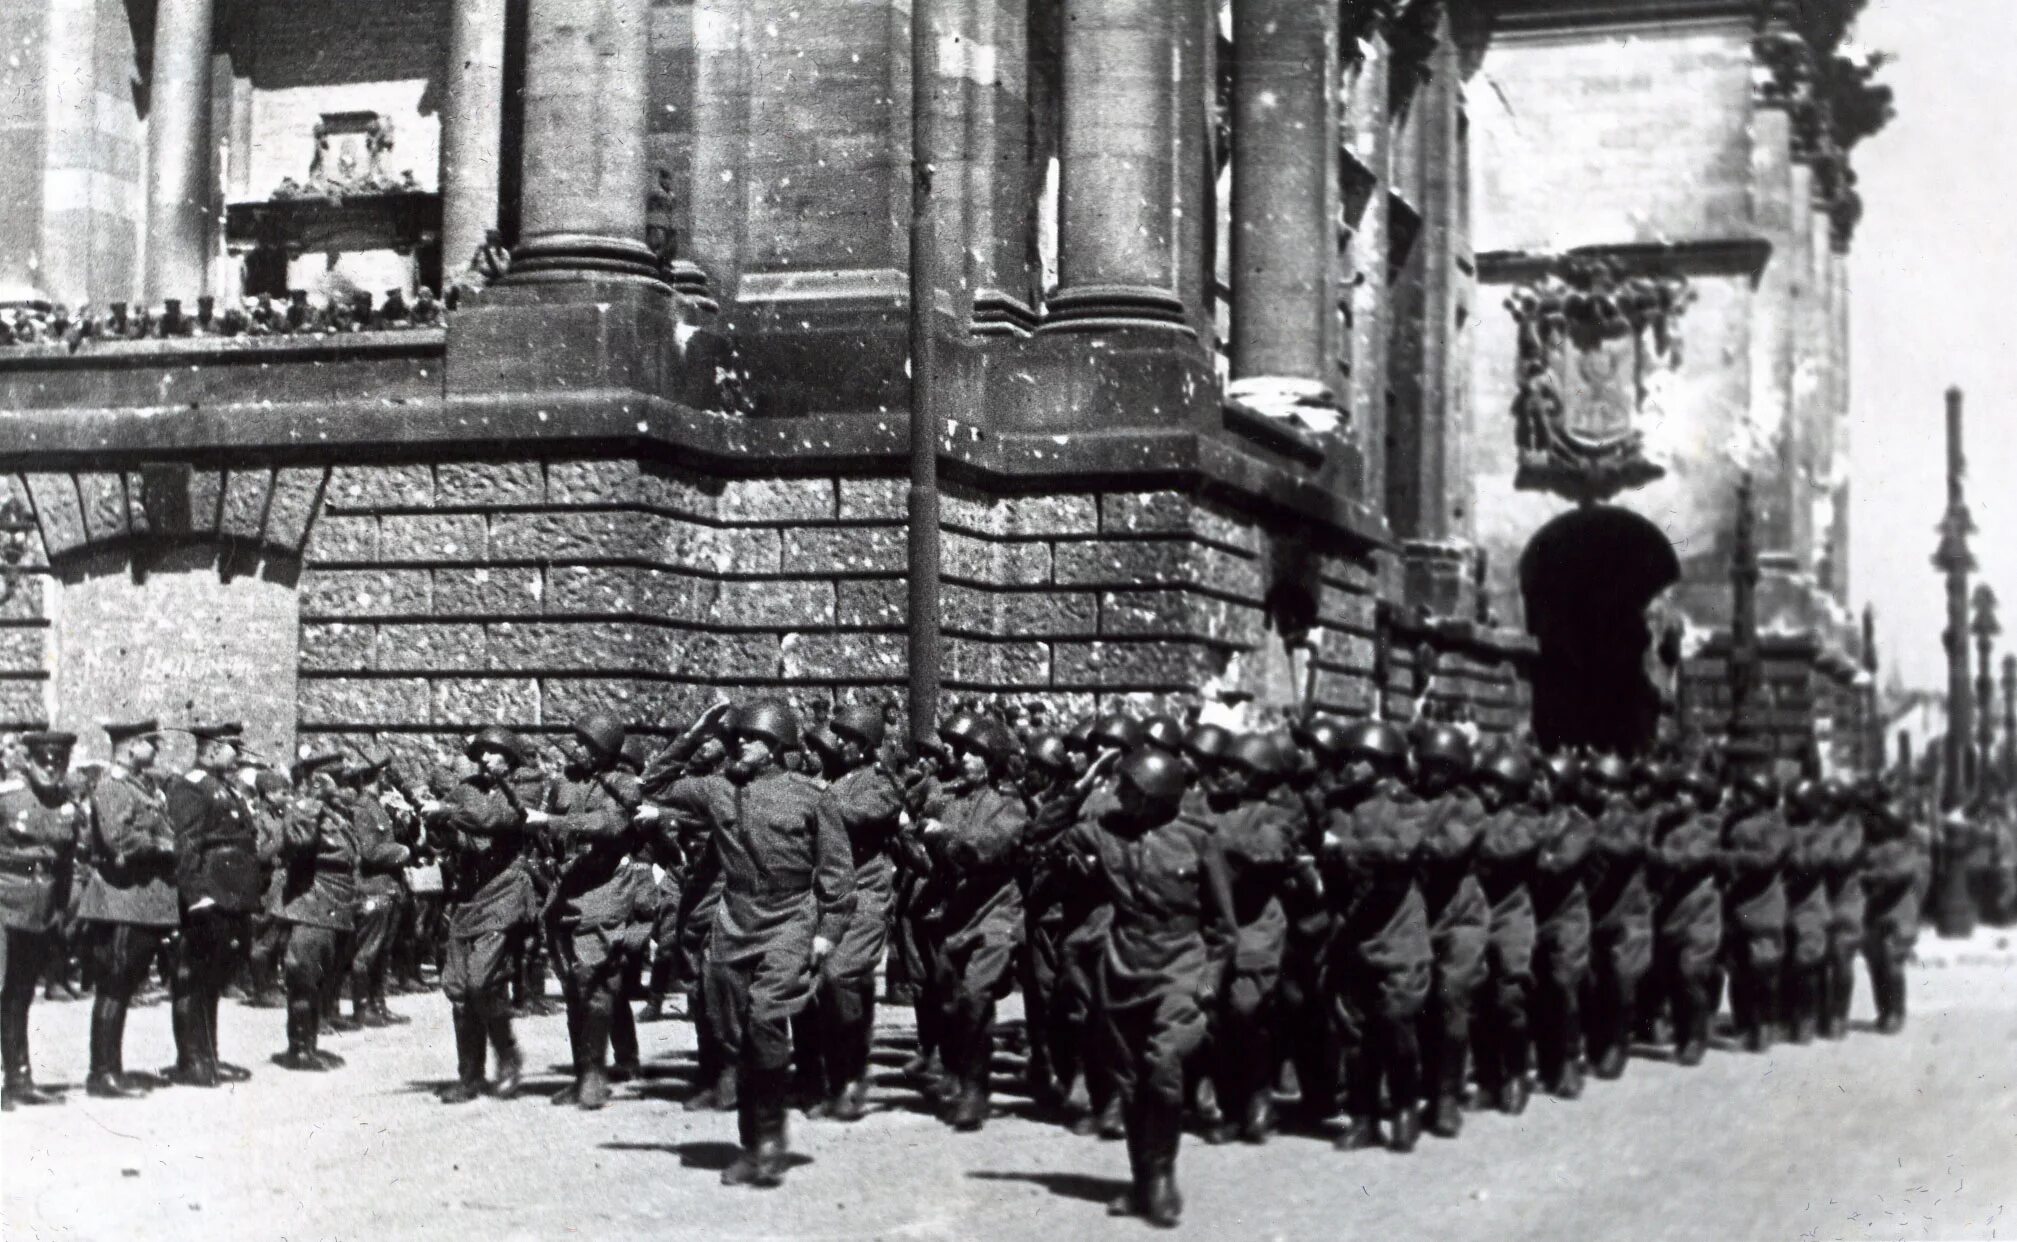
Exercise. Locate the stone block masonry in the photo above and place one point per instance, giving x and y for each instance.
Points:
(435, 598)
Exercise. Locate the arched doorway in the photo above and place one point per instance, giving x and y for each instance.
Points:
(1587, 578)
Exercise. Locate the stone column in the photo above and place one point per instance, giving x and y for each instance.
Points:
(586, 170)
(1117, 231)
(472, 127)
(179, 203)
(1285, 168)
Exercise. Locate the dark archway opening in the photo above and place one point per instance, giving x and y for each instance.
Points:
(1587, 578)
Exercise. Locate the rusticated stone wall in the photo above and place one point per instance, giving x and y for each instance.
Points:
(24, 625)
(439, 597)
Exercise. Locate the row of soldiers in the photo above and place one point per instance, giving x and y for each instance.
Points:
(1389, 915)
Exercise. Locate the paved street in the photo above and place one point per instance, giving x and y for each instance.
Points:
(1913, 1137)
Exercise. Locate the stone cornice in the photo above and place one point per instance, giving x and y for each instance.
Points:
(1709, 256)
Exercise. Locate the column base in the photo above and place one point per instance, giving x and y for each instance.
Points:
(1288, 399)
(1093, 308)
(581, 256)
(569, 331)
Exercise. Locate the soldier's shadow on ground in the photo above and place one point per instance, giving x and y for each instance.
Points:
(1081, 1186)
(706, 1155)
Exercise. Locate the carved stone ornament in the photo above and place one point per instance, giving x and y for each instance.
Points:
(351, 149)
(1591, 338)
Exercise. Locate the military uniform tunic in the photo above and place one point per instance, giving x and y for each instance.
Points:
(37, 834)
(870, 806)
(1808, 909)
(134, 881)
(1688, 931)
(1380, 964)
(595, 894)
(489, 894)
(1755, 847)
(787, 877)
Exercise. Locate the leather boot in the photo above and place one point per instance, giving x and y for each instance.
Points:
(1361, 1131)
(510, 1066)
(1889, 985)
(1112, 1125)
(762, 1108)
(1134, 1201)
(105, 1080)
(1691, 1032)
(20, 1090)
(1803, 1004)
(1163, 1205)
(468, 1084)
(298, 1055)
(593, 1073)
(720, 1095)
(970, 1106)
(624, 1063)
(1259, 1121)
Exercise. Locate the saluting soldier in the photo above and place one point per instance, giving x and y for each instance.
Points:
(1688, 927)
(321, 852)
(1459, 918)
(1260, 839)
(129, 902)
(1167, 883)
(217, 877)
(1049, 770)
(490, 901)
(1505, 861)
(787, 894)
(38, 829)
(1755, 844)
(381, 884)
(1621, 907)
(1381, 963)
(587, 913)
(870, 806)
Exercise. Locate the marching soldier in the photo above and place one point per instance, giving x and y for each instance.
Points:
(1050, 770)
(1810, 817)
(217, 876)
(786, 898)
(1459, 918)
(971, 837)
(490, 900)
(1755, 844)
(870, 805)
(1167, 882)
(1897, 870)
(1381, 963)
(1306, 1022)
(1688, 922)
(1621, 907)
(129, 902)
(1505, 860)
(1562, 926)
(1842, 867)
(589, 820)
(1259, 838)
(38, 829)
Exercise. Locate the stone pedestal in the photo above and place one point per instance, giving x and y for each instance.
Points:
(179, 204)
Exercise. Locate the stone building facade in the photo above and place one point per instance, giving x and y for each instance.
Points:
(1236, 409)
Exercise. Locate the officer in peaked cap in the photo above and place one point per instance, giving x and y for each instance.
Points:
(38, 829)
(218, 880)
(129, 900)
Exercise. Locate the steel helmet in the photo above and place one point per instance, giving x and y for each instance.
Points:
(1049, 752)
(1260, 754)
(1158, 775)
(861, 723)
(1164, 733)
(1324, 736)
(602, 733)
(772, 720)
(1374, 739)
(1608, 771)
(1445, 747)
(1506, 766)
(1116, 731)
(1562, 766)
(958, 728)
(1208, 743)
(991, 740)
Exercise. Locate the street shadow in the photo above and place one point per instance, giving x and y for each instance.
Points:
(1081, 1186)
(706, 1155)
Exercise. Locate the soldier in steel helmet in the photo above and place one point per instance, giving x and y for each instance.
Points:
(1847, 907)
(1809, 819)
(870, 805)
(1562, 928)
(490, 902)
(1305, 1019)
(787, 896)
(1049, 770)
(915, 960)
(1084, 915)
(1459, 917)
(1504, 862)
(1756, 842)
(1261, 840)
(1166, 880)
(1380, 964)
(1896, 873)
(1621, 909)
(1688, 915)
(971, 836)
(587, 823)
(38, 830)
